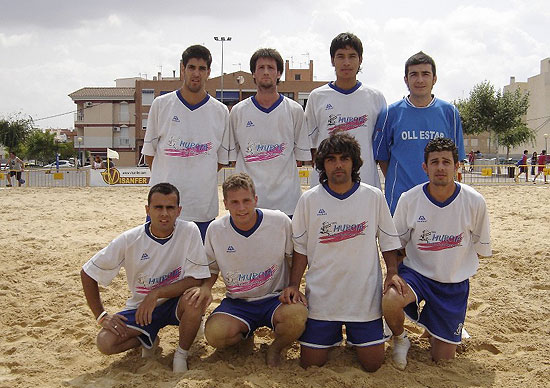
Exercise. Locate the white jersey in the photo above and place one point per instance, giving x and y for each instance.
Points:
(265, 143)
(442, 240)
(188, 142)
(149, 262)
(253, 267)
(338, 234)
(330, 109)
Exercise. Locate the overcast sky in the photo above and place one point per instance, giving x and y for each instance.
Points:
(50, 48)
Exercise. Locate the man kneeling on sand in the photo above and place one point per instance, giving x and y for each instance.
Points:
(162, 259)
(250, 247)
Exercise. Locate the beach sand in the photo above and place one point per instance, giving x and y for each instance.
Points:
(48, 332)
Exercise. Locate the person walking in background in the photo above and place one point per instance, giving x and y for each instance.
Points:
(541, 162)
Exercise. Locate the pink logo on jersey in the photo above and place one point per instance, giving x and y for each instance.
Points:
(263, 152)
(147, 285)
(239, 282)
(188, 149)
(347, 123)
(438, 242)
(332, 232)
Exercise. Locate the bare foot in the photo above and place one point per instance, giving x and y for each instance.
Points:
(273, 357)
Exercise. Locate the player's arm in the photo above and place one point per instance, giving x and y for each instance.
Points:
(220, 166)
(383, 166)
(292, 294)
(144, 312)
(149, 160)
(114, 323)
(392, 278)
(199, 294)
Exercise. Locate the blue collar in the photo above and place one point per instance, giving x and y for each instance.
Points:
(345, 91)
(447, 201)
(248, 233)
(161, 241)
(341, 196)
(268, 110)
(188, 105)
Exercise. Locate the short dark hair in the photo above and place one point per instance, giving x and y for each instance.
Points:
(163, 188)
(197, 51)
(344, 40)
(440, 144)
(339, 143)
(267, 53)
(238, 181)
(419, 59)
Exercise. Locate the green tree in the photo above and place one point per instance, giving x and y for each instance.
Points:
(498, 113)
(14, 130)
(66, 150)
(41, 146)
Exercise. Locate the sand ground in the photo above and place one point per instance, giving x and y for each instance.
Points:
(48, 332)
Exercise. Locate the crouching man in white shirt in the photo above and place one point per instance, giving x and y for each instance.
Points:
(443, 226)
(162, 259)
(251, 248)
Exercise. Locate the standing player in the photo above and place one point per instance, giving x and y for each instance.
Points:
(444, 226)
(187, 140)
(161, 259)
(268, 136)
(523, 168)
(405, 127)
(15, 166)
(541, 161)
(250, 247)
(346, 105)
(335, 228)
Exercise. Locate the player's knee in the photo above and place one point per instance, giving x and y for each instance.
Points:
(104, 342)
(372, 365)
(189, 309)
(294, 316)
(215, 334)
(392, 300)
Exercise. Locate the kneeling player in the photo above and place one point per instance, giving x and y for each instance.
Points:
(443, 225)
(336, 227)
(162, 259)
(250, 247)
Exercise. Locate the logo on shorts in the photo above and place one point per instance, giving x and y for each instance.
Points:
(230, 249)
(421, 219)
(329, 107)
(145, 256)
(321, 212)
(249, 124)
(459, 329)
(433, 241)
(176, 119)
(332, 232)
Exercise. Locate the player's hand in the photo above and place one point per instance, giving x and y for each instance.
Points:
(115, 324)
(144, 312)
(198, 296)
(393, 279)
(291, 295)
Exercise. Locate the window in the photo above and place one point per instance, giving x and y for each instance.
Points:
(288, 94)
(297, 77)
(124, 116)
(147, 96)
(473, 142)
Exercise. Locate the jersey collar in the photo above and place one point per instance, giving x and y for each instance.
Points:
(161, 241)
(341, 196)
(268, 110)
(188, 105)
(436, 202)
(248, 233)
(344, 91)
(407, 99)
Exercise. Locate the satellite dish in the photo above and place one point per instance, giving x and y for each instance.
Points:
(240, 80)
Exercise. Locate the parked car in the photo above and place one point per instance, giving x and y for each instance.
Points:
(62, 164)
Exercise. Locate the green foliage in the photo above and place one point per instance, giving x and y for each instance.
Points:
(41, 146)
(14, 130)
(500, 114)
(66, 150)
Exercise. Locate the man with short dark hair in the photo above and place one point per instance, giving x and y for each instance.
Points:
(346, 105)
(522, 164)
(268, 136)
(443, 226)
(404, 128)
(187, 140)
(250, 247)
(337, 228)
(162, 259)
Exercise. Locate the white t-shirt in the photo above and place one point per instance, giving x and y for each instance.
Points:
(265, 143)
(442, 240)
(188, 142)
(353, 111)
(149, 262)
(338, 234)
(252, 267)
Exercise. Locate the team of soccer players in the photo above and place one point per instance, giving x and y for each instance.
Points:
(273, 233)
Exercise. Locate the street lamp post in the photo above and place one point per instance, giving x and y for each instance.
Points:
(79, 154)
(546, 142)
(222, 39)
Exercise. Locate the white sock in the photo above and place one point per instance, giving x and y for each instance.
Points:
(402, 335)
(181, 353)
(180, 360)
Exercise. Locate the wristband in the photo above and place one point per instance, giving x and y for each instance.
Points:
(101, 317)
